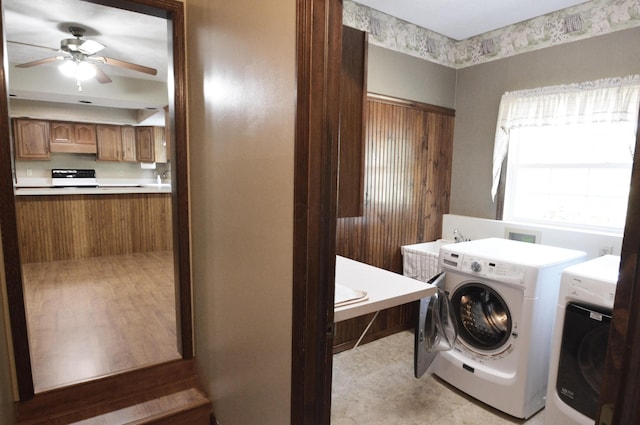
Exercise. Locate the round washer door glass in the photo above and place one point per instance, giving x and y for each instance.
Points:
(484, 320)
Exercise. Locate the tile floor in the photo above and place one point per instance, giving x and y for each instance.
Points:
(374, 385)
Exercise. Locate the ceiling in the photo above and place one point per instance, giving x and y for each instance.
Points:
(128, 36)
(461, 19)
(142, 39)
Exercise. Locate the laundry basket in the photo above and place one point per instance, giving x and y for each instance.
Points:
(420, 261)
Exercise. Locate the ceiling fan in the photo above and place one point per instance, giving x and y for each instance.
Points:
(78, 58)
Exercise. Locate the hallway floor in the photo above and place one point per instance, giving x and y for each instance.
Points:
(374, 385)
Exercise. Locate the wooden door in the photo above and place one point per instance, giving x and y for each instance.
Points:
(31, 138)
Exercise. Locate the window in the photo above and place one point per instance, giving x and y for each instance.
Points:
(569, 152)
(575, 175)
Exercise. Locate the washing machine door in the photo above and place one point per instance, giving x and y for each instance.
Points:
(483, 317)
(436, 329)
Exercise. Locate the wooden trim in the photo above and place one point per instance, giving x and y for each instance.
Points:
(318, 57)
(621, 381)
(411, 104)
(174, 11)
(11, 255)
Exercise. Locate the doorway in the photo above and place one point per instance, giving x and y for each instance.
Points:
(175, 262)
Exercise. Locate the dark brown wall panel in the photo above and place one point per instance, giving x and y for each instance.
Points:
(407, 179)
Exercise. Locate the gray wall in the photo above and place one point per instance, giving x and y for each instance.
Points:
(406, 77)
(480, 87)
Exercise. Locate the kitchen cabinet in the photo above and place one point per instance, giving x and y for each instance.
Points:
(115, 143)
(128, 134)
(71, 137)
(353, 94)
(150, 144)
(31, 139)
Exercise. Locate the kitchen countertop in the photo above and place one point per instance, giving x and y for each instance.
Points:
(43, 186)
(100, 190)
(384, 289)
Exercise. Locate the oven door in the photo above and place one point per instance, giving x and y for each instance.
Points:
(582, 353)
(436, 329)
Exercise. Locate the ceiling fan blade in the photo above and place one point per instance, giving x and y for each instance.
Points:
(33, 45)
(38, 62)
(100, 75)
(128, 65)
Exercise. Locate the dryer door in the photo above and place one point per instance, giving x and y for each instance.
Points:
(436, 329)
(483, 317)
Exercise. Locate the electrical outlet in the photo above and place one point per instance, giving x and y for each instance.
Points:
(29, 172)
(121, 173)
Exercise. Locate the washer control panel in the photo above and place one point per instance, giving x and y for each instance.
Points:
(487, 268)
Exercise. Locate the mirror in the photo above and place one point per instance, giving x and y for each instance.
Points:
(104, 268)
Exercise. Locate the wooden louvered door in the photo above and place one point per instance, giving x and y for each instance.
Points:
(406, 184)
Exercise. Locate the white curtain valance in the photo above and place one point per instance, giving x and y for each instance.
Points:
(607, 100)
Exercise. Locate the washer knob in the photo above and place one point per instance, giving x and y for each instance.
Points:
(476, 267)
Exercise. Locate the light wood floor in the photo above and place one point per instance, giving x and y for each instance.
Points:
(96, 316)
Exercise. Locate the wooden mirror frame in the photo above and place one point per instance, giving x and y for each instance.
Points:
(173, 11)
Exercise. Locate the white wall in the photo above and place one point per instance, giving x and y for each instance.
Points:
(594, 244)
(242, 93)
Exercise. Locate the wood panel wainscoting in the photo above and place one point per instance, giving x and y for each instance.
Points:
(407, 182)
(70, 227)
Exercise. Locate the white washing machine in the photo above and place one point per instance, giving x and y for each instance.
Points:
(580, 338)
(503, 294)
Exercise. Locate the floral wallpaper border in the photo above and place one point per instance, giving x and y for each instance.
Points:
(593, 18)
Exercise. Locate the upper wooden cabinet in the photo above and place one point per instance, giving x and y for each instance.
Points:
(353, 95)
(115, 143)
(128, 143)
(150, 144)
(72, 137)
(31, 139)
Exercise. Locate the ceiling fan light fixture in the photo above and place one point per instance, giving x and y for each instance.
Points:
(80, 70)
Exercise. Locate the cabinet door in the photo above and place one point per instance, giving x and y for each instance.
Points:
(128, 134)
(145, 144)
(353, 92)
(62, 136)
(31, 138)
(160, 148)
(85, 137)
(109, 143)
(72, 137)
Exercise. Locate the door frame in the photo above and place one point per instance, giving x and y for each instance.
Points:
(318, 62)
(620, 391)
(173, 11)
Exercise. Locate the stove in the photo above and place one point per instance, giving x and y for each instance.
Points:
(73, 178)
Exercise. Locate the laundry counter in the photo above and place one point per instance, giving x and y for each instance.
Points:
(373, 289)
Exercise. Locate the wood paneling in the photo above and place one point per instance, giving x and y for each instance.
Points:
(67, 227)
(407, 179)
(353, 93)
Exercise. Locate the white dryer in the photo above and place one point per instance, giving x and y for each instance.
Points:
(580, 338)
(503, 294)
